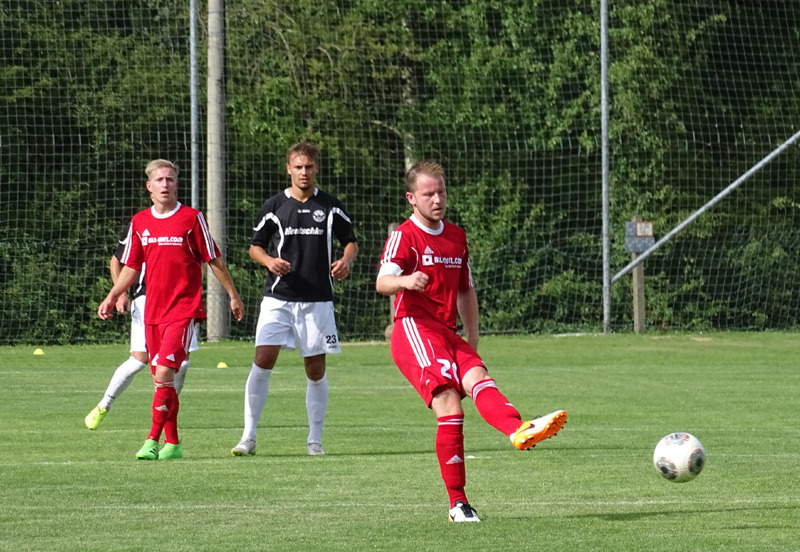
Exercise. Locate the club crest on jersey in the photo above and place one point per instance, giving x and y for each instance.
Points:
(319, 215)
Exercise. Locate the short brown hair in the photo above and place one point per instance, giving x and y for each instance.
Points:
(309, 149)
(428, 168)
(159, 164)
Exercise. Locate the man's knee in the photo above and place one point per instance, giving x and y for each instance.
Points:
(315, 367)
(266, 356)
(447, 403)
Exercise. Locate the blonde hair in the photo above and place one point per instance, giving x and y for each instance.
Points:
(156, 164)
(431, 169)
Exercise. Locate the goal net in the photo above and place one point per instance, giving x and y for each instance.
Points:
(505, 95)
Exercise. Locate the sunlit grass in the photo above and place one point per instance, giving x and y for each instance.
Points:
(593, 487)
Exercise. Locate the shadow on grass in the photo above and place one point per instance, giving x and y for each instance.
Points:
(633, 516)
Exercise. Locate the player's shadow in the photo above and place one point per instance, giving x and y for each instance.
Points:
(634, 516)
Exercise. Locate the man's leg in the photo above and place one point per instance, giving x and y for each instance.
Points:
(450, 452)
(122, 378)
(501, 414)
(256, 391)
(316, 402)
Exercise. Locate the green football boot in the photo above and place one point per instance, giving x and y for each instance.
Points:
(170, 451)
(149, 450)
(94, 417)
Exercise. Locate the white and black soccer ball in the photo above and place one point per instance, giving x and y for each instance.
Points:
(679, 457)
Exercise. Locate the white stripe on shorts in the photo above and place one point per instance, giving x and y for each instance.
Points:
(414, 339)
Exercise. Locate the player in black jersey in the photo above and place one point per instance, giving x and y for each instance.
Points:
(125, 372)
(293, 239)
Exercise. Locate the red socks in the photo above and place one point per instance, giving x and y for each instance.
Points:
(165, 413)
(450, 452)
(495, 408)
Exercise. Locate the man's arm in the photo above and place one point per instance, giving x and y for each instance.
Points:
(468, 311)
(220, 270)
(341, 269)
(125, 278)
(390, 284)
(276, 265)
(123, 302)
(115, 266)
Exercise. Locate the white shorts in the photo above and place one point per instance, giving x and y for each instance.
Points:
(138, 342)
(310, 327)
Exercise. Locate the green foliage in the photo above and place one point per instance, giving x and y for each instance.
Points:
(510, 241)
(505, 95)
(106, 84)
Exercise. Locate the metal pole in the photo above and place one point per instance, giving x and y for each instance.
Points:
(217, 302)
(195, 154)
(605, 169)
(731, 187)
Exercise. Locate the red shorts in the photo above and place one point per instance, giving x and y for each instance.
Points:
(168, 344)
(431, 356)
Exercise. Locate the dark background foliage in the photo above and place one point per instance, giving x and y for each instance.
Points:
(506, 95)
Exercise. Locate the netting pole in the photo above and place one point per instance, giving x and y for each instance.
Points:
(605, 169)
(193, 88)
(217, 303)
(713, 201)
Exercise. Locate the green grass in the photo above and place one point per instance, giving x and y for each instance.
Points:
(64, 488)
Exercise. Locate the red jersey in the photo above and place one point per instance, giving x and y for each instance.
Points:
(441, 254)
(174, 247)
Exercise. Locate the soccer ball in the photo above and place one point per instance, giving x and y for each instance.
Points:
(679, 457)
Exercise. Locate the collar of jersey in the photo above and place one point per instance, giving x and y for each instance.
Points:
(424, 228)
(165, 215)
(288, 193)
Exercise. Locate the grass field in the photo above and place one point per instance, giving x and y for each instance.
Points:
(593, 487)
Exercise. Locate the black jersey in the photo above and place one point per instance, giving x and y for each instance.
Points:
(137, 288)
(302, 234)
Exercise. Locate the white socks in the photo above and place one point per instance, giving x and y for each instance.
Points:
(180, 375)
(316, 405)
(124, 374)
(255, 397)
(122, 378)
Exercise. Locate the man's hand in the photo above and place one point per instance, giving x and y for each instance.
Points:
(278, 266)
(340, 269)
(416, 281)
(123, 304)
(237, 308)
(106, 308)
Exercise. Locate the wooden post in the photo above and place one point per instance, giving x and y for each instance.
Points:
(639, 319)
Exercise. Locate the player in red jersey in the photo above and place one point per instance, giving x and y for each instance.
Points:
(174, 242)
(125, 372)
(425, 265)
